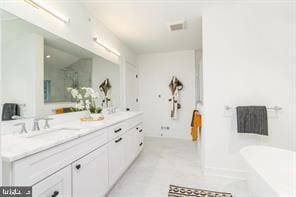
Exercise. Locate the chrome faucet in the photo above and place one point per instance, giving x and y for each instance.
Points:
(23, 128)
(36, 124)
(46, 124)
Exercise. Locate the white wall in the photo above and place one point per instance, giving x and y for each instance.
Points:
(19, 64)
(155, 73)
(103, 69)
(247, 61)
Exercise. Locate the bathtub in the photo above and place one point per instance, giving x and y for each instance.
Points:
(271, 172)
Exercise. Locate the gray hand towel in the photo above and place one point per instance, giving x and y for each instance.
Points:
(252, 119)
(9, 110)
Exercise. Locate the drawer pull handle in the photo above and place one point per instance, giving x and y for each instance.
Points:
(78, 166)
(118, 140)
(141, 144)
(116, 131)
(55, 194)
(140, 131)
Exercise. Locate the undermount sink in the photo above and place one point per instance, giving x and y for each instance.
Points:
(43, 133)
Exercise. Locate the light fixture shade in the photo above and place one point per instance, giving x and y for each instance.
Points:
(39, 4)
(107, 48)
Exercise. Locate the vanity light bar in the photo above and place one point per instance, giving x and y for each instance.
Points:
(39, 4)
(106, 47)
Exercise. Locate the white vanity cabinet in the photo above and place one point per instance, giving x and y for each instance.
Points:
(56, 185)
(88, 165)
(90, 174)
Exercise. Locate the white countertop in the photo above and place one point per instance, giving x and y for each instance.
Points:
(16, 146)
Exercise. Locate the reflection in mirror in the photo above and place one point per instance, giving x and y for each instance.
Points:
(39, 67)
(103, 70)
(63, 70)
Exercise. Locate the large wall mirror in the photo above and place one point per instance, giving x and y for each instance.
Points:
(39, 69)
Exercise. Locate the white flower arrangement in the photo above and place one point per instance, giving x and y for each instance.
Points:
(86, 99)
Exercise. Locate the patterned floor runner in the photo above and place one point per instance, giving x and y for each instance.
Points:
(177, 191)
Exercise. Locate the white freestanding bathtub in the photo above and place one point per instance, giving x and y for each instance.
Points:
(271, 172)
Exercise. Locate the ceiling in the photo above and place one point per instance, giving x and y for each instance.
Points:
(143, 25)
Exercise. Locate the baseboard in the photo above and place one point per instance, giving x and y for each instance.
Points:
(167, 136)
(225, 173)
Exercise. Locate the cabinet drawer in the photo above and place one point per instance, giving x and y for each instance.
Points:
(56, 185)
(117, 130)
(32, 169)
(122, 127)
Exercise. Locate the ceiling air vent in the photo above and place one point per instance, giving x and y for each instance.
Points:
(180, 25)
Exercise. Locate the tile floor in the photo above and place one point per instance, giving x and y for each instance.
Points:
(170, 161)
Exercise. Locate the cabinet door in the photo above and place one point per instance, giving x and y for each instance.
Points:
(56, 185)
(116, 149)
(140, 138)
(130, 150)
(90, 174)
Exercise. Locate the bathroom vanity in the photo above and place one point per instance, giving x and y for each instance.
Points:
(73, 158)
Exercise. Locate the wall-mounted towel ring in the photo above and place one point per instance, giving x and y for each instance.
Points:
(175, 86)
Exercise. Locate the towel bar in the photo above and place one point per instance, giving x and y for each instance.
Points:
(275, 108)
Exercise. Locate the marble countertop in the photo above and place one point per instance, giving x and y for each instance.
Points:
(17, 146)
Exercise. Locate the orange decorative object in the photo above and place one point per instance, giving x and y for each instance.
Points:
(196, 125)
(59, 111)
